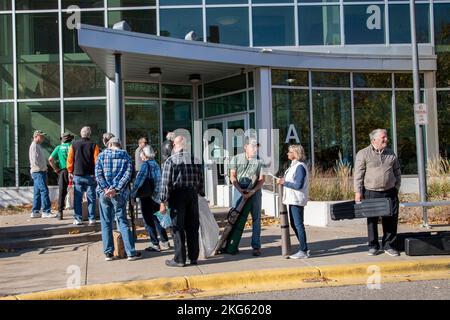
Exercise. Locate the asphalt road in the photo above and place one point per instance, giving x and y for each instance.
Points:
(418, 290)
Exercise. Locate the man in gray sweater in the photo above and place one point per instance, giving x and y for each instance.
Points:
(38, 165)
(377, 175)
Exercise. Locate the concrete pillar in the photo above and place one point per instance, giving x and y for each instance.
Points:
(115, 109)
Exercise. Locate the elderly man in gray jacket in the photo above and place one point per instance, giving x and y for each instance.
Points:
(377, 175)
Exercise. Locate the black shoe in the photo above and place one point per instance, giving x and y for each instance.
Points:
(193, 263)
(137, 256)
(256, 252)
(173, 263)
(109, 257)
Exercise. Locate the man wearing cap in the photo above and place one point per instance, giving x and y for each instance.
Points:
(247, 180)
(58, 161)
(38, 170)
(81, 165)
(113, 172)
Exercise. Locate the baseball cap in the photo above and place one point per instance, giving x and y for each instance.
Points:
(39, 133)
(66, 136)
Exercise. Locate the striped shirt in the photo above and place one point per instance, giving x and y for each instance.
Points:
(113, 170)
(181, 170)
(149, 169)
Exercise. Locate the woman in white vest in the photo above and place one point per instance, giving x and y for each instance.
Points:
(295, 195)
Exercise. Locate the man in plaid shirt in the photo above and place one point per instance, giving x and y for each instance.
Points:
(113, 173)
(182, 181)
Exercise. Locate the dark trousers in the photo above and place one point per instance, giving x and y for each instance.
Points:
(63, 183)
(183, 204)
(389, 223)
(149, 207)
(296, 216)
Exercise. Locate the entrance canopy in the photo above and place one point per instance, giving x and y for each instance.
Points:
(177, 58)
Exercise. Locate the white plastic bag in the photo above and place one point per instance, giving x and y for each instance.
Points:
(209, 229)
(69, 197)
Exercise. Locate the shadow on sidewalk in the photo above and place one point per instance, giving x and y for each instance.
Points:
(334, 247)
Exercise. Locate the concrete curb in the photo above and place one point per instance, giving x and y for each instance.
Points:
(253, 281)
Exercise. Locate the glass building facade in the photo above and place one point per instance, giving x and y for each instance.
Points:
(48, 82)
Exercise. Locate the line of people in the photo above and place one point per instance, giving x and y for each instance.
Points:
(377, 174)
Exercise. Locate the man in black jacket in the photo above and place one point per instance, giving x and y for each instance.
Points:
(81, 166)
(167, 146)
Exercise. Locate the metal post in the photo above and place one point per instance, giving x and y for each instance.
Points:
(284, 222)
(116, 108)
(419, 128)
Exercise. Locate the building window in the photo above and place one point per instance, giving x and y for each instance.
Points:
(372, 110)
(406, 135)
(140, 89)
(130, 3)
(36, 5)
(176, 115)
(5, 5)
(45, 116)
(227, 25)
(290, 78)
(177, 23)
(225, 85)
(331, 79)
(443, 110)
(143, 21)
(226, 1)
(364, 24)
(173, 91)
(179, 2)
(291, 116)
(442, 26)
(226, 104)
(82, 78)
(142, 120)
(400, 25)
(443, 70)
(37, 54)
(6, 58)
(332, 128)
(82, 3)
(273, 26)
(7, 154)
(372, 80)
(319, 25)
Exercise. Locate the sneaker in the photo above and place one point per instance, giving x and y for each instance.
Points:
(173, 263)
(153, 247)
(109, 257)
(48, 215)
(256, 252)
(77, 223)
(92, 222)
(392, 252)
(35, 215)
(164, 246)
(136, 256)
(300, 255)
(373, 252)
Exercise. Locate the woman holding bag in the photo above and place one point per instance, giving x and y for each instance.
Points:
(295, 195)
(146, 187)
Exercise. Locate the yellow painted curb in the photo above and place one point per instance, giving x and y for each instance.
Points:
(252, 281)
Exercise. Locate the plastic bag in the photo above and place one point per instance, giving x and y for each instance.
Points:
(209, 229)
(69, 196)
(164, 219)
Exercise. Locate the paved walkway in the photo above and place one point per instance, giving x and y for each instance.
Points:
(52, 268)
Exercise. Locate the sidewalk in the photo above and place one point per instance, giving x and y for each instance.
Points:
(54, 268)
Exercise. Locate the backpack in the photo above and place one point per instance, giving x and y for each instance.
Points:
(147, 188)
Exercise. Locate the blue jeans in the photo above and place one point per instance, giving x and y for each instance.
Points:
(256, 215)
(296, 215)
(40, 193)
(84, 184)
(110, 209)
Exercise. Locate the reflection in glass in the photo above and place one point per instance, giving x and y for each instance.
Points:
(7, 163)
(227, 25)
(177, 23)
(225, 85)
(291, 115)
(140, 89)
(179, 2)
(142, 120)
(331, 79)
(372, 111)
(273, 26)
(6, 58)
(319, 25)
(176, 91)
(442, 26)
(400, 26)
(226, 104)
(443, 70)
(226, 1)
(37, 55)
(443, 111)
(92, 113)
(45, 116)
(332, 128)
(176, 115)
(405, 80)
(36, 5)
(364, 24)
(130, 3)
(289, 78)
(81, 77)
(143, 21)
(5, 5)
(406, 135)
(372, 80)
(82, 3)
